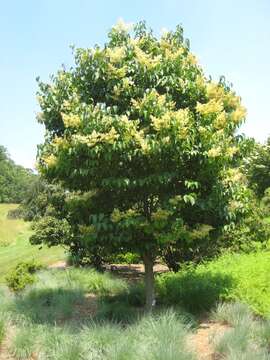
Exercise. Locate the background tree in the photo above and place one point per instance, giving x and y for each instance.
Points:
(15, 180)
(138, 127)
(258, 168)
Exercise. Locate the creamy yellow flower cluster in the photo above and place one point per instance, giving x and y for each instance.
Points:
(123, 86)
(86, 229)
(71, 120)
(212, 106)
(118, 215)
(172, 55)
(118, 73)
(50, 160)
(153, 102)
(224, 104)
(226, 148)
(96, 137)
(233, 176)
(145, 59)
(179, 120)
(160, 215)
(60, 142)
(122, 26)
(116, 54)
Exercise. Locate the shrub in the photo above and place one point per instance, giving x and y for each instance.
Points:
(127, 258)
(54, 231)
(22, 275)
(232, 277)
(266, 201)
(194, 290)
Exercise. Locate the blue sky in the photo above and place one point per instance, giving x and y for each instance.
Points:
(230, 38)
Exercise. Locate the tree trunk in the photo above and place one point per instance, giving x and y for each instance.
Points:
(149, 282)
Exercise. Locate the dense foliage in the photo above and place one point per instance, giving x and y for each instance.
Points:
(147, 143)
(22, 275)
(240, 277)
(15, 180)
(258, 168)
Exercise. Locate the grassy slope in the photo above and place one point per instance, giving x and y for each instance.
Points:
(14, 245)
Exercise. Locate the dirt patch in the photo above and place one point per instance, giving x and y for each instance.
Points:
(86, 309)
(4, 353)
(200, 342)
(158, 268)
(123, 269)
(133, 272)
(58, 265)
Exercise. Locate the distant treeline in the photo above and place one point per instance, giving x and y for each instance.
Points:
(15, 180)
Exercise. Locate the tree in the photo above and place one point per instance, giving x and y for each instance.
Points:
(258, 168)
(138, 127)
(15, 180)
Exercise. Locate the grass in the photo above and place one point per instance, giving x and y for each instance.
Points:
(93, 282)
(45, 328)
(55, 294)
(234, 314)
(249, 338)
(23, 343)
(51, 320)
(9, 228)
(15, 247)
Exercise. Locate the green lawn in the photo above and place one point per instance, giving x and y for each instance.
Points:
(15, 247)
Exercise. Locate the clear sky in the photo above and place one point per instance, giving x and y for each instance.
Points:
(230, 37)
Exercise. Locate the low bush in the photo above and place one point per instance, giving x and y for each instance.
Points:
(193, 289)
(127, 258)
(22, 275)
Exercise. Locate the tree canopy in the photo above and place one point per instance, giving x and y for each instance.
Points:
(15, 180)
(147, 141)
(258, 168)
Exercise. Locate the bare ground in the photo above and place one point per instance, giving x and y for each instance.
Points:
(200, 342)
(4, 353)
